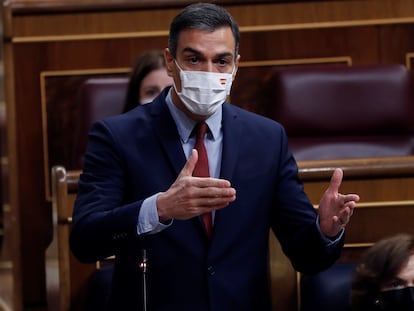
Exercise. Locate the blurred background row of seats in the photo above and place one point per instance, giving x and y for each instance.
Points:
(344, 112)
(329, 112)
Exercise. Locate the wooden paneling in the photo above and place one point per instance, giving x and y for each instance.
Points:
(50, 46)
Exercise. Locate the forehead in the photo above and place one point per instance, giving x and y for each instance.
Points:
(407, 272)
(157, 77)
(207, 43)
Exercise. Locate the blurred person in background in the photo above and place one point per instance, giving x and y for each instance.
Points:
(147, 79)
(384, 278)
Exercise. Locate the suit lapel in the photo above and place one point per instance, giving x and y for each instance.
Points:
(232, 139)
(167, 134)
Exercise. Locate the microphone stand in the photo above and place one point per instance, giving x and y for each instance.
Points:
(143, 266)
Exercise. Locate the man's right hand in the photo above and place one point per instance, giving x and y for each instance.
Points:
(192, 196)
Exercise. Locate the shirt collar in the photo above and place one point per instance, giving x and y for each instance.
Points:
(185, 125)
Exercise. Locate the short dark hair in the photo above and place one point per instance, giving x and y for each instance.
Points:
(202, 16)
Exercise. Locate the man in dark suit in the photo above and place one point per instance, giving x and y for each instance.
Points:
(137, 191)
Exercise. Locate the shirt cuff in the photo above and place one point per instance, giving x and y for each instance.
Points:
(329, 241)
(148, 220)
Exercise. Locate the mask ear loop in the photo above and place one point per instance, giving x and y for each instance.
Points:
(176, 63)
(181, 81)
(233, 72)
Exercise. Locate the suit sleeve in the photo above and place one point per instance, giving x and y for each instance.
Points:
(101, 219)
(294, 220)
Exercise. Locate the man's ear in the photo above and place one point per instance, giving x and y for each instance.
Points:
(236, 66)
(169, 61)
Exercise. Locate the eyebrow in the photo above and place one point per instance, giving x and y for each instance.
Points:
(191, 50)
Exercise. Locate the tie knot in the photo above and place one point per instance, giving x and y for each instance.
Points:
(201, 129)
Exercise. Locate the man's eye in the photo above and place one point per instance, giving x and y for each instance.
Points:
(194, 60)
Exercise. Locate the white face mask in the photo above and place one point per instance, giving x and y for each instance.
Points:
(203, 92)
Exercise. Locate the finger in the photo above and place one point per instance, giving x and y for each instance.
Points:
(351, 198)
(206, 204)
(210, 182)
(215, 192)
(336, 181)
(346, 213)
(190, 164)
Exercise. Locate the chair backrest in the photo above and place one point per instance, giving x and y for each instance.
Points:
(341, 111)
(327, 290)
(97, 98)
(81, 286)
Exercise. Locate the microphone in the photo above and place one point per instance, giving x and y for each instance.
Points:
(143, 266)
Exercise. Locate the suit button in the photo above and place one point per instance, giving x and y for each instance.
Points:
(210, 270)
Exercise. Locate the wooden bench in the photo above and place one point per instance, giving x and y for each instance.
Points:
(75, 278)
(73, 275)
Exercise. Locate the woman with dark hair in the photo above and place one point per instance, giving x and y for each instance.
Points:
(147, 79)
(384, 278)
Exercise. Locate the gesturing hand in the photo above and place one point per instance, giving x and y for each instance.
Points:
(335, 209)
(191, 196)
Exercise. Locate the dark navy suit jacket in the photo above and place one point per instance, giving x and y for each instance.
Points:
(135, 155)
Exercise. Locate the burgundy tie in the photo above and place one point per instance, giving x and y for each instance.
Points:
(201, 169)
